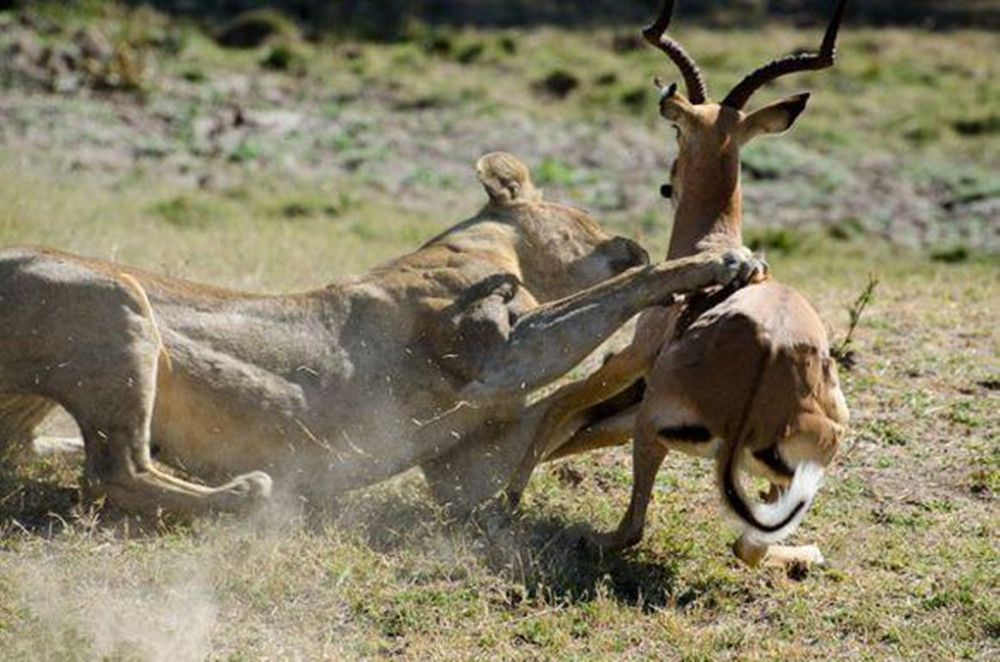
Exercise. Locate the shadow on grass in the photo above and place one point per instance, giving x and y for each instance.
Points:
(35, 505)
(550, 557)
(542, 552)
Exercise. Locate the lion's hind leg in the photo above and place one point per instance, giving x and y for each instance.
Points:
(104, 374)
(117, 438)
(19, 416)
(115, 417)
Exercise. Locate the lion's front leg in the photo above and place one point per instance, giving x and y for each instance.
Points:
(547, 341)
(473, 471)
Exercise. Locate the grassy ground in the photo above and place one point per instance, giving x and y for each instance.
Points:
(218, 169)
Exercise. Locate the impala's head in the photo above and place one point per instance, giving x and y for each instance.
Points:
(560, 249)
(704, 180)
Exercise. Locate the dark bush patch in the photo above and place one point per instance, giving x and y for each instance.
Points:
(560, 83)
(605, 79)
(184, 212)
(977, 127)
(425, 102)
(439, 44)
(508, 45)
(847, 229)
(635, 98)
(625, 42)
(194, 75)
(297, 210)
(253, 28)
(953, 255)
(781, 240)
(470, 53)
(283, 57)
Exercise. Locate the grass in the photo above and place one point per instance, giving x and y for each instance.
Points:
(908, 517)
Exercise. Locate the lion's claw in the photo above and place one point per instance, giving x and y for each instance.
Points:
(741, 267)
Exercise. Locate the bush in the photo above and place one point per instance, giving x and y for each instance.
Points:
(284, 57)
(254, 28)
(559, 83)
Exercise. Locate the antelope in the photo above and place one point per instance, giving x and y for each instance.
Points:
(426, 360)
(743, 376)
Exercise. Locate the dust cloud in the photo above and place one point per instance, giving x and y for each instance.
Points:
(158, 609)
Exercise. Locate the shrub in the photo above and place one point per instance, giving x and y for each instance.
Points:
(184, 212)
(559, 84)
(254, 28)
(284, 57)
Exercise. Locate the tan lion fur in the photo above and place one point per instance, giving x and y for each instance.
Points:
(426, 360)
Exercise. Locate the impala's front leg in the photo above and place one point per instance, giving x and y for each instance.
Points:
(547, 341)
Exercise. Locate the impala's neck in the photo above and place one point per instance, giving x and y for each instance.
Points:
(708, 213)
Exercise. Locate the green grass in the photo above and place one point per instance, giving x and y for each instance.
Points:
(908, 518)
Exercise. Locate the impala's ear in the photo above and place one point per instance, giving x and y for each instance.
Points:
(773, 118)
(506, 179)
(674, 106)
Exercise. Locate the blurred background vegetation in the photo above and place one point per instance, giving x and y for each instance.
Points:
(389, 18)
(372, 113)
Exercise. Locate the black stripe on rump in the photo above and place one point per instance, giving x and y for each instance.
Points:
(696, 434)
(774, 461)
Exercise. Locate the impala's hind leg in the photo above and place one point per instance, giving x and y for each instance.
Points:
(661, 425)
(567, 412)
(647, 457)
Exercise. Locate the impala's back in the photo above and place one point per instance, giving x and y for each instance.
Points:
(756, 372)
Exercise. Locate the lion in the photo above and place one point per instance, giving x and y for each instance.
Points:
(427, 360)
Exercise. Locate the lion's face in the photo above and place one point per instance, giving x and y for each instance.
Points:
(563, 250)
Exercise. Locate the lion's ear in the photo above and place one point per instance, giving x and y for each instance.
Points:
(506, 179)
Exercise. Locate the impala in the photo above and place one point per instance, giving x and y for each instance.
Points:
(743, 376)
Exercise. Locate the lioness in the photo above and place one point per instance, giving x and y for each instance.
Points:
(426, 360)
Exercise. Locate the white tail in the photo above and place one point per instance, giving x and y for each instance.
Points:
(769, 523)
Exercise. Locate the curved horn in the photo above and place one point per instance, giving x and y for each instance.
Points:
(789, 64)
(697, 92)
